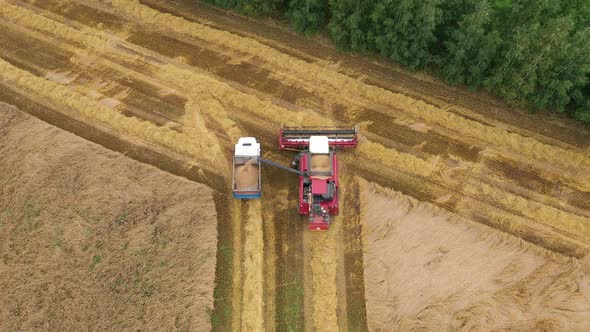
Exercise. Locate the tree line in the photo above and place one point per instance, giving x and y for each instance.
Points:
(532, 53)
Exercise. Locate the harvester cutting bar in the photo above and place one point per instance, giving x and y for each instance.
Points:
(291, 137)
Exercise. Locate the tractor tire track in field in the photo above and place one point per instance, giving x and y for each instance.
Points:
(185, 96)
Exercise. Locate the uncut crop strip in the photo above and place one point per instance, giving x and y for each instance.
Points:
(200, 149)
(323, 268)
(224, 118)
(352, 249)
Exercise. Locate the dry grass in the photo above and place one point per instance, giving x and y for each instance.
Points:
(219, 99)
(98, 41)
(323, 269)
(91, 240)
(89, 109)
(540, 233)
(393, 158)
(427, 269)
(29, 19)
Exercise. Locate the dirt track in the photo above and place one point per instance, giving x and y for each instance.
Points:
(176, 93)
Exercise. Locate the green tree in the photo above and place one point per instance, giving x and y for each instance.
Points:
(228, 4)
(579, 108)
(546, 64)
(257, 7)
(404, 30)
(250, 7)
(307, 16)
(349, 23)
(471, 48)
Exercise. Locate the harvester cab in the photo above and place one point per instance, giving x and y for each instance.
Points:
(316, 164)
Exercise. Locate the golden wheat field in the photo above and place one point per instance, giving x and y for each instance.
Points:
(94, 240)
(457, 212)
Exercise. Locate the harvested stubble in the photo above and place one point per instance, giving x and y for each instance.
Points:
(323, 268)
(574, 225)
(529, 147)
(93, 240)
(394, 158)
(92, 110)
(218, 94)
(98, 41)
(427, 269)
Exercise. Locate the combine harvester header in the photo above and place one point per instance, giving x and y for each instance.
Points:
(299, 138)
(315, 163)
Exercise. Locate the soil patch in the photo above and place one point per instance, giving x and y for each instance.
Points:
(90, 239)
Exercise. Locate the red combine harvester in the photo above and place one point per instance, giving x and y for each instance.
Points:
(316, 164)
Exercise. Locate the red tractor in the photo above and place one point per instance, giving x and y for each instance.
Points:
(316, 164)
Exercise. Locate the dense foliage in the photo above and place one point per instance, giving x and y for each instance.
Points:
(530, 52)
(250, 7)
